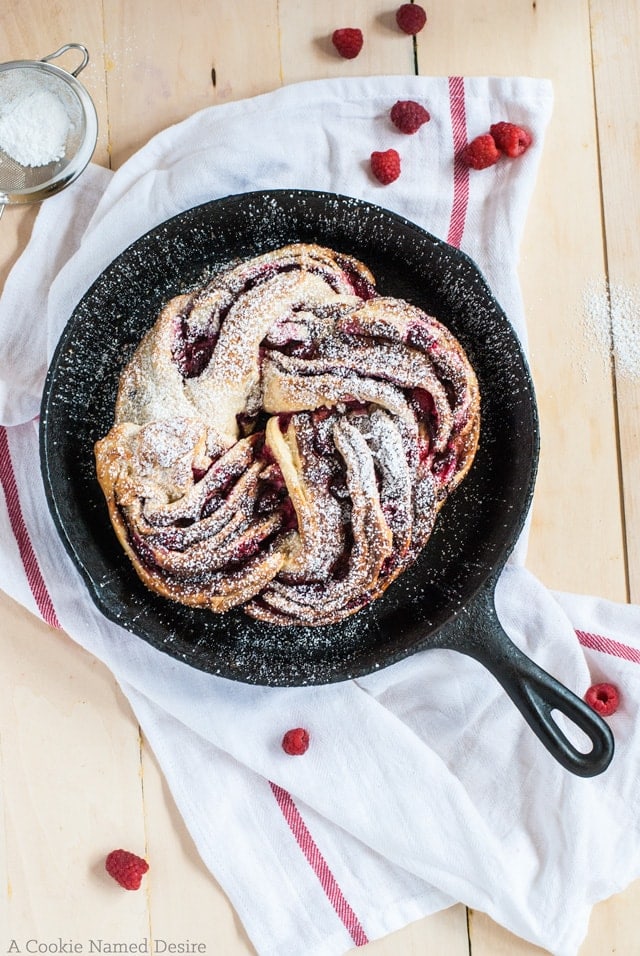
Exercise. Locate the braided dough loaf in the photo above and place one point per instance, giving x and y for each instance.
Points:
(284, 438)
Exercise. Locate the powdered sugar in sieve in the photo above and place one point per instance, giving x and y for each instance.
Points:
(41, 123)
(33, 122)
(48, 128)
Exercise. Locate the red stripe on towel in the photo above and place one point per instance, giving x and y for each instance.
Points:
(608, 646)
(319, 865)
(19, 528)
(460, 170)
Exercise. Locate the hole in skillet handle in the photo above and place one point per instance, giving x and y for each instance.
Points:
(478, 633)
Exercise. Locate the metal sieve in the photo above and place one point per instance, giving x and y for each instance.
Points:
(27, 184)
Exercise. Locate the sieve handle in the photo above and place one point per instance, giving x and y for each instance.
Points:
(63, 49)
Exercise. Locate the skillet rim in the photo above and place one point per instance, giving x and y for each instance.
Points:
(365, 663)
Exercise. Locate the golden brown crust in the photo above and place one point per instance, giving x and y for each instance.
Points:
(284, 439)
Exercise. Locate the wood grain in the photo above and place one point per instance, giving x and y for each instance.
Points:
(70, 784)
(158, 76)
(562, 252)
(616, 53)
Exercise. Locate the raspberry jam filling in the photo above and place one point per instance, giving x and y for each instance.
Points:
(141, 547)
(283, 420)
(361, 286)
(421, 401)
(192, 352)
(289, 341)
(192, 355)
(445, 465)
(420, 336)
(198, 473)
(340, 568)
(246, 550)
(273, 494)
(271, 497)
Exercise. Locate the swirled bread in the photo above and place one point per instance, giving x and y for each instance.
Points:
(284, 438)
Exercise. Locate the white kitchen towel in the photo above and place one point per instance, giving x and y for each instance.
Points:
(423, 785)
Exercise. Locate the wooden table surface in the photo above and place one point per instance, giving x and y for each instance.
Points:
(74, 767)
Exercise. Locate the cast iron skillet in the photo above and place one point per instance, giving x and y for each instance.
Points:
(446, 599)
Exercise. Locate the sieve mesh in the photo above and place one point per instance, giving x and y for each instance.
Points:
(20, 81)
(13, 176)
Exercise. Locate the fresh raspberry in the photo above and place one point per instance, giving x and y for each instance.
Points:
(296, 742)
(126, 868)
(604, 698)
(411, 18)
(510, 139)
(480, 152)
(348, 42)
(385, 166)
(408, 116)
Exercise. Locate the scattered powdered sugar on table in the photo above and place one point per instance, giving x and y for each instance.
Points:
(611, 320)
(33, 126)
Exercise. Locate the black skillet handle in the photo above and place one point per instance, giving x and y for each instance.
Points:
(477, 632)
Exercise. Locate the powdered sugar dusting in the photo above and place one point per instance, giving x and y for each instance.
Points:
(611, 321)
(317, 526)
